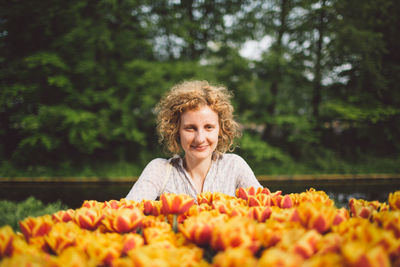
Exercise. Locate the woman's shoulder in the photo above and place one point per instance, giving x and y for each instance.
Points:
(162, 161)
(230, 157)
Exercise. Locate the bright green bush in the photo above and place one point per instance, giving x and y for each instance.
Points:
(13, 212)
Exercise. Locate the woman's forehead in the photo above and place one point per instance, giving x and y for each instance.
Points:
(202, 113)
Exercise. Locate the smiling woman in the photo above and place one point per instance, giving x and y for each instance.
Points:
(195, 123)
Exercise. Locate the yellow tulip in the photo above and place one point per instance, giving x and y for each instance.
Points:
(6, 241)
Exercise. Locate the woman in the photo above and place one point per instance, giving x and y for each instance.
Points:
(197, 118)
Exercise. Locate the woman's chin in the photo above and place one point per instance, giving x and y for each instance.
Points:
(199, 155)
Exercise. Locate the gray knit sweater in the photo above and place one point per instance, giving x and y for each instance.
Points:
(227, 173)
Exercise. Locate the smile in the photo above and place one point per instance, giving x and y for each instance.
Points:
(204, 147)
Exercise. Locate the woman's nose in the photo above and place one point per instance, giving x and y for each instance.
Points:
(200, 136)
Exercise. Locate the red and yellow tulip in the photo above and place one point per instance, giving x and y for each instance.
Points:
(365, 209)
(61, 236)
(88, 218)
(152, 207)
(63, 215)
(33, 227)
(123, 220)
(260, 214)
(235, 257)
(199, 229)
(394, 200)
(175, 204)
(130, 242)
(360, 254)
(280, 257)
(236, 232)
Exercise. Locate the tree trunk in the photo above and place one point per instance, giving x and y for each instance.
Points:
(316, 99)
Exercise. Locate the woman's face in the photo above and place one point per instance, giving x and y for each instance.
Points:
(199, 129)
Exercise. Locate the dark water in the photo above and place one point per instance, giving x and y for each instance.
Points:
(73, 194)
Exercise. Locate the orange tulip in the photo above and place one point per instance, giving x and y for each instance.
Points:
(159, 222)
(27, 260)
(286, 202)
(198, 232)
(39, 243)
(389, 220)
(61, 236)
(325, 260)
(239, 257)
(261, 214)
(103, 249)
(244, 193)
(131, 241)
(285, 215)
(221, 206)
(306, 246)
(353, 228)
(87, 218)
(129, 204)
(270, 233)
(241, 212)
(175, 204)
(6, 241)
(72, 257)
(365, 209)
(123, 220)
(63, 215)
(367, 235)
(158, 255)
(237, 232)
(317, 216)
(259, 200)
(205, 198)
(359, 254)
(197, 209)
(159, 235)
(112, 204)
(280, 257)
(342, 215)
(313, 196)
(91, 204)
(199, 229)
(151, 207)
(394, 200)
(228, 205)
(330, 244)
(33, 227)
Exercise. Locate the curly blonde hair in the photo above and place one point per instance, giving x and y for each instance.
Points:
(190, 95)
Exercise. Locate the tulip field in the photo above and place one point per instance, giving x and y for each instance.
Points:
(255, 228)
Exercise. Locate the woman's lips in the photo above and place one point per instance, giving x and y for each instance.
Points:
(200, 148)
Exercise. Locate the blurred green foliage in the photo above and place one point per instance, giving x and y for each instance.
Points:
(13, 212)
(80, 79)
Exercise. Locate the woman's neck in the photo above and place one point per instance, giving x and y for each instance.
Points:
(197, 170)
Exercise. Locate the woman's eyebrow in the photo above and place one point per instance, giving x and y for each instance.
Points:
(188, 124)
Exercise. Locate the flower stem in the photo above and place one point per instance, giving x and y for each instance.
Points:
(175, 223)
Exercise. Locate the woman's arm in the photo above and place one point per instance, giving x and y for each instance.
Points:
(150, 181)
(246, 177)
